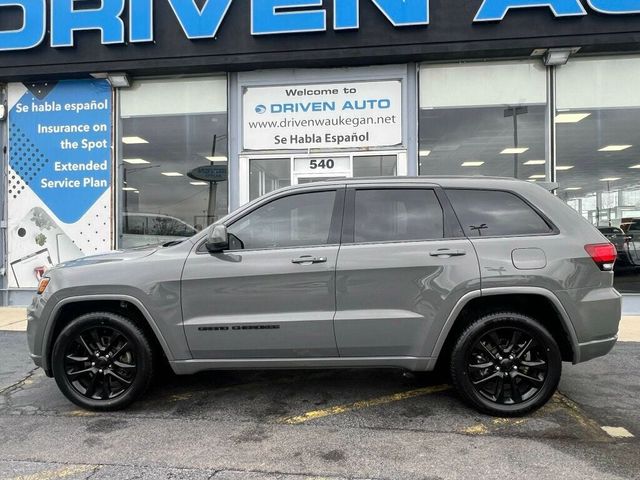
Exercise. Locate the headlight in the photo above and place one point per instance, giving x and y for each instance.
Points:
(44, 281)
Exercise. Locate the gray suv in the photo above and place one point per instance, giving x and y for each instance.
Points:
(495, 279)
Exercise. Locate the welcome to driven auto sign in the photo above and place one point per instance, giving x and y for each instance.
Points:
(337, 115)
(266, 17)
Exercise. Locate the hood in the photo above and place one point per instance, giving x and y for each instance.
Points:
(115, 256)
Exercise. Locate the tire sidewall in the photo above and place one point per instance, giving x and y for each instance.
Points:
(505, 320)
(131, 332)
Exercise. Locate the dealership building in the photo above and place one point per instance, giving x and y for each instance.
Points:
(127, 122)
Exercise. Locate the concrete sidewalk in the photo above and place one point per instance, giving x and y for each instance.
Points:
(15, 319)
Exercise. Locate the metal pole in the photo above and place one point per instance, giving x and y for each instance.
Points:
(515, 142)
(213, 187)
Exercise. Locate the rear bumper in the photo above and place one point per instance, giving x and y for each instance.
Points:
(594, 349)
(595, 314)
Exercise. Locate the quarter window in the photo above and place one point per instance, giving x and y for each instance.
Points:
(397, 215)
(493, 213)
(293, 221)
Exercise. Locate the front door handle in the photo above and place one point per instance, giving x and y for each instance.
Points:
(309, 259)
(447, 252)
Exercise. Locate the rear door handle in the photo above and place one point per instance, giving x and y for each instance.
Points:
(309, 259)
(447, 252)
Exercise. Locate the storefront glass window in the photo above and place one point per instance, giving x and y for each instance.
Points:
(268, 175)
(483, 119)
(174, 158)
(375, 165)
(598, 153)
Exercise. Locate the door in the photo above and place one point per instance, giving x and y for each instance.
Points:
(272, 295)
(261, 174)
(402, 267)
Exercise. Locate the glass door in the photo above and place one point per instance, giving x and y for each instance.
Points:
(261, 174)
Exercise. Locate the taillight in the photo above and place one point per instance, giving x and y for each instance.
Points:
(604, 254)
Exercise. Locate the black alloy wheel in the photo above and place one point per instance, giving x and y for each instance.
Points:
(506, 364)
(102, 361)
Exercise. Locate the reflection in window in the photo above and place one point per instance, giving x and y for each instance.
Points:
(598, 152)
(483, 119)
(268, 175)
(484, 213)
(375, 165)
(170, 128)
(292, 221)
(397, 215)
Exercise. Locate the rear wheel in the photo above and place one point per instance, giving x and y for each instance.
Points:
(506, 364)
(102, 361)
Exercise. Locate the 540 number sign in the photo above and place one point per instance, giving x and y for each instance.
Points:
(322, 163)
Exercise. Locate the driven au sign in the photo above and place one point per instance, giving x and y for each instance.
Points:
(340, 115)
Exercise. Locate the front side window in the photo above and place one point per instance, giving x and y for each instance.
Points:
(293, 221)
(485, 213)
(397, 215)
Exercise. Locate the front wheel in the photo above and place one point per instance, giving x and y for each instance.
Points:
(506, 364)
(102, 361)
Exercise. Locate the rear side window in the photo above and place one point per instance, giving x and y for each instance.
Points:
(485, 213)
(388, 215)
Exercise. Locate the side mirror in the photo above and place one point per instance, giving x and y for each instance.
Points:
(218, 239)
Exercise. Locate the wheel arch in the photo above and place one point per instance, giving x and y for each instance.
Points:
(70, 308)
(538, 302)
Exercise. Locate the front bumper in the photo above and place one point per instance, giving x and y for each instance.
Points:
(36, 324)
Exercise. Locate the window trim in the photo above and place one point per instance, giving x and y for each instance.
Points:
(348, 225)
(552, 226)
(335, 225)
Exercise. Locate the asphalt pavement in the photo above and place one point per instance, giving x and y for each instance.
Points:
(333, 424)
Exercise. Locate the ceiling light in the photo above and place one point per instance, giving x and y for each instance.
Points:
(217, 158)
(535, 162)
(564, 167)
(424, 153)
(635, 166)
(135, 161)
(609, 179)
(129, 189)
(119, 80)
(133, 140)
(472, 164)
(172, 174)
(199, 183)
(614, 148)
(573, 188)
(538, 176)
(531, 180)
(514, 151)
(571, 117)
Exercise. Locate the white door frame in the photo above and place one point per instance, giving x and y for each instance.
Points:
(244, 159)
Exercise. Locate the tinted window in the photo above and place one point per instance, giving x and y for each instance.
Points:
(610, 230)
(493, 213)
(634, 226)
(134, 225)
(397, 215)
(293, 221)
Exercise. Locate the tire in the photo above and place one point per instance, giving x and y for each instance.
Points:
(102, 361)
(506, 364)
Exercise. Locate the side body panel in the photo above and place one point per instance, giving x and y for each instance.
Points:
(393, 299)
(251, 304)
